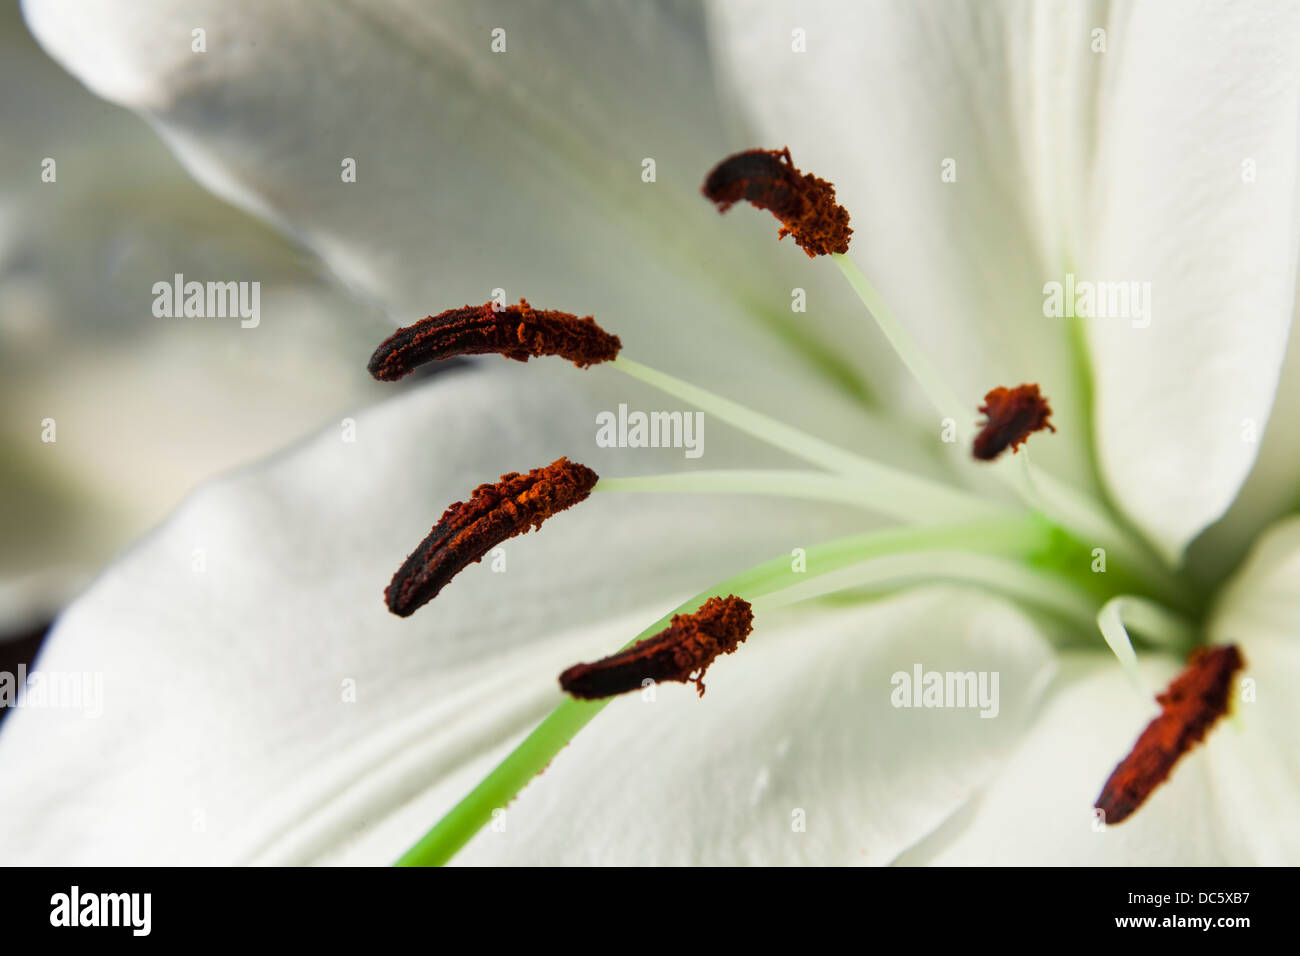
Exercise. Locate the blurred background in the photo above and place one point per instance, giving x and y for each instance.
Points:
(144, 408)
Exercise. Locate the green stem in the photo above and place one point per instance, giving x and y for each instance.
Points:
(1023, 538)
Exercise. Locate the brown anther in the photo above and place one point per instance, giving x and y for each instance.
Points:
(518, 332)
(1013, 415)
(768, 179)
(469, 529)
(1197, 698)
(681, 652)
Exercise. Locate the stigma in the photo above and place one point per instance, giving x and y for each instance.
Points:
(470, 529)
(681, 652)
(1013, 414)
(518, 332)
(805, 204)
(1195, 700)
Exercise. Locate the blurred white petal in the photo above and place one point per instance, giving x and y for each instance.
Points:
(519, 170)
(144, 408)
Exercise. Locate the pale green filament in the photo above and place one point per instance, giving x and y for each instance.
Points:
(992, 573)
(1025, 539)
(936, 389)
(1147, 618)
(923, 499)
(901, 499)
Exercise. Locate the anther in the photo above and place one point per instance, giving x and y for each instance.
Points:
(1197, 698)
(1013, 415)
(768, 179)
(681, 652)
(518, 332)
(469, 529)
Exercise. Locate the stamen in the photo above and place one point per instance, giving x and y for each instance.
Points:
(518, 332)
(908, 495)
(1197, 698)
(681, 652)
(805, 204)
(1013, 415)
(468, 530)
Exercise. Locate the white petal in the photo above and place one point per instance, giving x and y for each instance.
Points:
(227, 640)
(477, 170)
(1189, 97)
(1257, 756)
(1038, 810)
(1270, 491)
(795, 754)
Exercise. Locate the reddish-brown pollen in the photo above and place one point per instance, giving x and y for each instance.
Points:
(1196, 699)
(469, 529)
(768, 179)
(681, 652)
(1013, 415)
(518, 332)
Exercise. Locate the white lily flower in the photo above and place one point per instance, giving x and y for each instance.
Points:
(263, 706)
